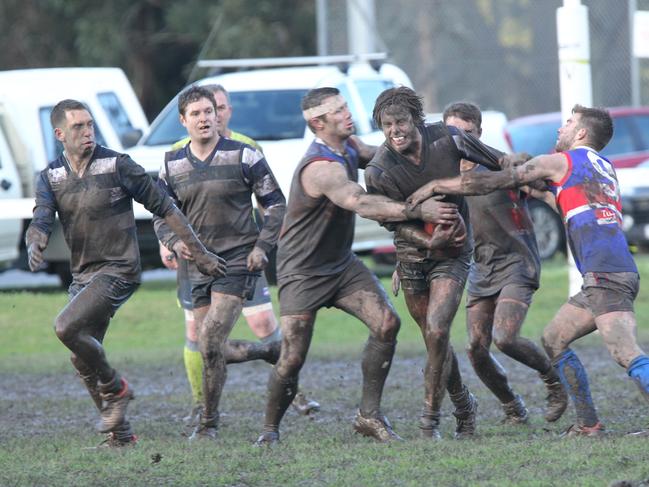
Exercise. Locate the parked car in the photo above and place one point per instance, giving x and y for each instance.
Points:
(634, 189)
(266, 107)
(537, 134)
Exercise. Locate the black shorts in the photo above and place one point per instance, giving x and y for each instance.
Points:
(111, 289)
(299, 294)
(241, 285)
(261, 294)
(605, 292)
(518, 292)
(416, 276)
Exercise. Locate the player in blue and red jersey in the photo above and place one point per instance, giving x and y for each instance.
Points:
(586, 191)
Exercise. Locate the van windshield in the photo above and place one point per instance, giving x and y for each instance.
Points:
(261, 115)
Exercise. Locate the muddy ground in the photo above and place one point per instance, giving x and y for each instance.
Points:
(51, 403)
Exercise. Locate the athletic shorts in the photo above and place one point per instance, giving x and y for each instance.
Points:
(241, 285)
(260, 300)
(299, 294)
(518, 292)
(110, 289)
(416, 276)
(605, 292)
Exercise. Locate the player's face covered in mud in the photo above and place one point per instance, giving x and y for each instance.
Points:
(399, 129)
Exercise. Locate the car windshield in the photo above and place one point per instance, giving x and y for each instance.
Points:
(54, 148)
(534, 139)
(261, 115)
(370, 90)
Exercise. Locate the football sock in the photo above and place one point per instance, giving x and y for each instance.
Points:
(575, 380)
(194, 368)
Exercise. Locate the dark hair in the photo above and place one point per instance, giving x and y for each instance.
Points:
(57, 115)
(192, 94)
(216, 87)
(599, 124)
(464, 110)
(314, 97)
(401, 96)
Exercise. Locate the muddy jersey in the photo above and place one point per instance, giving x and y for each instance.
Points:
(96, 212)
(393, 175)
(504, 245)
(589, 199)
(317, 235)
(215, 196)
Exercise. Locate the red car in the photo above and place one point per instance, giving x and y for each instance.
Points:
(537, 134)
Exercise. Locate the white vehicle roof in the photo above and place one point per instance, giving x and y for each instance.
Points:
(279, 78)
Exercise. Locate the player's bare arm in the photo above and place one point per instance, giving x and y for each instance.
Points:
(443, 236)
(327, 178)
(550, 167)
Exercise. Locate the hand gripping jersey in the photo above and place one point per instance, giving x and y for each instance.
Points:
(589, 199)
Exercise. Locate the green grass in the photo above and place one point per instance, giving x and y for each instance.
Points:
(46, 420)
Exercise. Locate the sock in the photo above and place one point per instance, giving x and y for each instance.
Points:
(377, 358)
(575, 380)
(638, 370)
(194, 368)
(275, 336)
(281, 392)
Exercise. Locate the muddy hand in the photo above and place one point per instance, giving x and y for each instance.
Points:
(440, 212)
(513, 160)
(35, 255)
(421, 195)
(181, 250)
(257, 260)
(458, 233)
(396, 283)
(211, 264)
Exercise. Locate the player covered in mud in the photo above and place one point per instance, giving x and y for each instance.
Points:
(317, 268)
(212, 179)
(432, 263)
(587, 194)
(92, 189)
(504, 274)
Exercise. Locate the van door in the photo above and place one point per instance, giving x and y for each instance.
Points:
(10, 221)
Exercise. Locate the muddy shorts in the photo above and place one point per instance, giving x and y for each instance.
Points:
(299, 294)
(605, 292)
(242, 285)
(518, 292)
(110, 289)
(260, 299)
(417, 276)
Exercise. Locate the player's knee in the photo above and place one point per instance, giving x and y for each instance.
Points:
(389, 327)
(63, 329)
(289, 364)
(504, 340)
(551, 343)
(438, 334)
(476, 350)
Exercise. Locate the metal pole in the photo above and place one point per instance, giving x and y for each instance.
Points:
(361, 26)
(322, 26)
(633, 59)
(574, 79)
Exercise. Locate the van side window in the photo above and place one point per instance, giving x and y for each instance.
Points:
(127, 134)
(53, 147)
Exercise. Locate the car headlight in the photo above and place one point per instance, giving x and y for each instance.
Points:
(627, 222)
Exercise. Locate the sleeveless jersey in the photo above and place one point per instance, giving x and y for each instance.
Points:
(589, 199)
(316, 238)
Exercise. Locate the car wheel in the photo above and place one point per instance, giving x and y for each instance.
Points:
(548, 228)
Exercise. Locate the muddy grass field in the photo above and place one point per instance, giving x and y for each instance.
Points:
(47, 420)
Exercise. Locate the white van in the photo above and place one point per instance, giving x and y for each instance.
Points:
(27, 142)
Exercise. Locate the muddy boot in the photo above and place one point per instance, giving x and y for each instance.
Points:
(207, 428)
(466, 408)
(304, 406)
(515, 412)
(378, 428)
(575, 430)
(429, 424)
(557, 398)
(120, 437)
(268, 438)
(113, 410)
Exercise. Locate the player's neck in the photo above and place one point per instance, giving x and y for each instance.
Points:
(203, 148)
(78, 163)
(333, 142)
